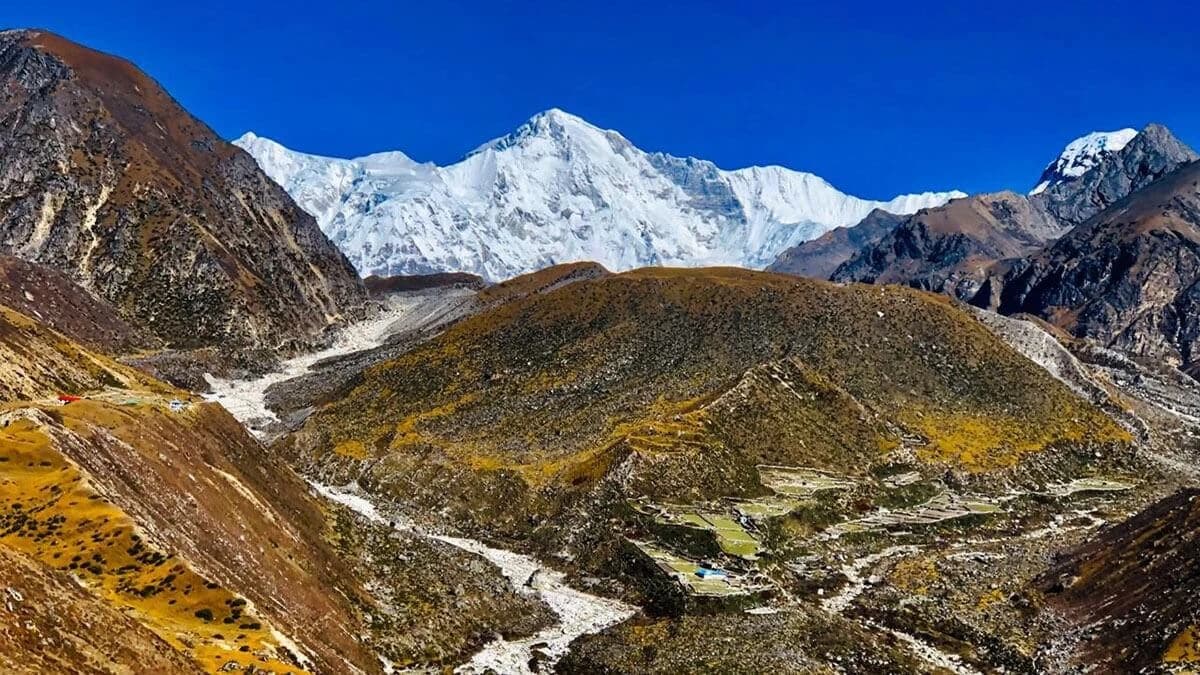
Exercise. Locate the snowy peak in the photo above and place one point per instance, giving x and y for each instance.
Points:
(560, 189)
(1082, 154)
(560, 129)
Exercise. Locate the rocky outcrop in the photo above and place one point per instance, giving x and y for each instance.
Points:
(383, 286)
(819, 258)
(1127, 277)
(106, 178)
(951, 248)
(1153, 153)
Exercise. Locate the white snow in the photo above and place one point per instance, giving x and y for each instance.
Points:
(578, 613)
(1082, 154)
(559, 189)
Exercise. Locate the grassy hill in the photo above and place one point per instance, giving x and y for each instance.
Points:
(674, 385)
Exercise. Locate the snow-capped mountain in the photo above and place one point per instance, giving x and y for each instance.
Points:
(1080, 155)
(559, 189)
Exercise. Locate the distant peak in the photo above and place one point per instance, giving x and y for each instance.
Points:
(252, 140)
(1082, 154)
(548, 121)
(556, 113)
(553, 123)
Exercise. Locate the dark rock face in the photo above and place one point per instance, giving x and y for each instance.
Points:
(702, 181)
(951, 248)
(820, 257)
(108, 179)
(972, 248)
(1152, 154)
(1126, 278)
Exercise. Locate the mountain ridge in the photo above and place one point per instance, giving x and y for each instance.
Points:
(1082, 154)
(558, 189)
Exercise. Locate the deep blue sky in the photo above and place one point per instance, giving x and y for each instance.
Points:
(877, 97)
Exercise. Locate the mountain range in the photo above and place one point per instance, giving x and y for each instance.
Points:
(222, 450)
(559, 189)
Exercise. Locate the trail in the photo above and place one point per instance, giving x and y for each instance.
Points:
(578, 613)
(857, 583)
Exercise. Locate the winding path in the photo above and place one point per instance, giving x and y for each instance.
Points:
(857, 583)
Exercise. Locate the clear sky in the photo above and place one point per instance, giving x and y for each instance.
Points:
(877, 97)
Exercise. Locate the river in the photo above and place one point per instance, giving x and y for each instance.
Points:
(578, 613)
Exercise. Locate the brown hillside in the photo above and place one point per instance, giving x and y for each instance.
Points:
(1131, 591)
(109, 180)
(37, 363)
(52, 298)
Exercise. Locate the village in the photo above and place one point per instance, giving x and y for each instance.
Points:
(746, 553)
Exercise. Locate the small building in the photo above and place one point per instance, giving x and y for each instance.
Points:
(177, 405)
(709, 573)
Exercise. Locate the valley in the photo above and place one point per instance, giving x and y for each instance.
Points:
(571, 406)
(805, 539)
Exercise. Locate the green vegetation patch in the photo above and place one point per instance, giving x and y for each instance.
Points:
(766, 508)
(1094, 484)
(685, 572)
(800, 481)
(732, 537)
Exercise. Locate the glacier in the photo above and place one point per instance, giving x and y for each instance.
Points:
(559, 189)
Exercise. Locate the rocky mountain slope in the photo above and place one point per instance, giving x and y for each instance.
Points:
(40, 363)
(1127, 593)
(626, 424)
(1101, 169)
(951, 248)
(675, 384)
(109, 180)
(1126, 277)
(559, 189)
(819, 258)
(55, 300)
(969, 248)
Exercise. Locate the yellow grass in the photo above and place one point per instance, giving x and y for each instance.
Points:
(68, 526)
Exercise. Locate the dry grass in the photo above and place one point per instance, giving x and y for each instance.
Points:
(51, 512)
